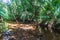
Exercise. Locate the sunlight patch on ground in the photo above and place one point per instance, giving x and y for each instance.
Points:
(22, 26)
(28, 28)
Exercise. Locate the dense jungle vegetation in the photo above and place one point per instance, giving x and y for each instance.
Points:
(43, 14)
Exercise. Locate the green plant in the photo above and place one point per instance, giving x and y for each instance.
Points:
(32, 9)
(3, 11)
(3, 27)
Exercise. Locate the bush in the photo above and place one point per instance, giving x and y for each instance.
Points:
(31, 10)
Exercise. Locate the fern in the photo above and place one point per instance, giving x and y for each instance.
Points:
(31, 9)
(3, 11)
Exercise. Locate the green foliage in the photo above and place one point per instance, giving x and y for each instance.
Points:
(3, 27)
(37, 10)
(3, 11)
(31, 9)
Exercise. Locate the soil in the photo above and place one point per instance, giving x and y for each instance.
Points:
(25, 31)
